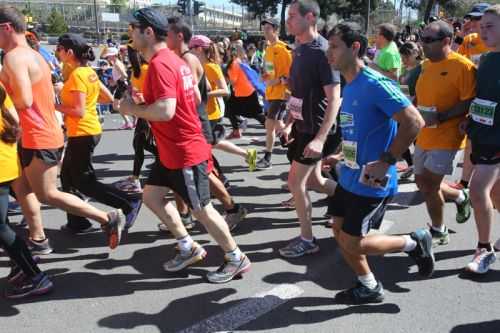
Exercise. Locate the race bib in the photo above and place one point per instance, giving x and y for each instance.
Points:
(294, 106)
(269, 68)
(350, 151)
(483, 111)
(426, 110)
(346, 119)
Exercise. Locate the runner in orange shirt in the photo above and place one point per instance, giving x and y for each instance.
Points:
(27, 78)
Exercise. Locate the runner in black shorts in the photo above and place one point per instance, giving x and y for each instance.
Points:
(484, 133)
(312, 108)
(368, 176)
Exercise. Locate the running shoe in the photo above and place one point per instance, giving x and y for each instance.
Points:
(39, 285)
(114, 228)
(132, 216)
(360, 294)
(39, 248)
(129, 184)
(183, 259)
(230, 270)
(423, 254)
(186, 220)
(456, 186)
(406, 174)
(464, 208)
(439, 237)
(233, 219)
(235, 134)
(264, 164)
(16, 273)
(481, 261)
(298, 248)
(251, 159)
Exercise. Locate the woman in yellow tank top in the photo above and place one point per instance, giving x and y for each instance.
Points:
(79, 98)
(25, 278)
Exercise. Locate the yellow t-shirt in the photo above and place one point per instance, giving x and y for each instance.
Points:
(443, 85)
(138, 83)
(9, 161)
(85, 80)
(277, 63)
(473, 47)
(214, 74)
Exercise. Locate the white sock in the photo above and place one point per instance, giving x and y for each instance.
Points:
(410, 243)
(310, 241)
(442, 228)
(185, 243)
(234, 255)
(368, 280)
(461, 198)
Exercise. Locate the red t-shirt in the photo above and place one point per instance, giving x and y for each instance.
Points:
(180, 141)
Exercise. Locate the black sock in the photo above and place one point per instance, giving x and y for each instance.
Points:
(234, 210)
(22, 257)
(267, 156)
(464, 183)
(486, 246)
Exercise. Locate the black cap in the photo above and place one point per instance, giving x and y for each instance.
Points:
(270, 21)
(149, 17)
(478, 10)
(72, 41)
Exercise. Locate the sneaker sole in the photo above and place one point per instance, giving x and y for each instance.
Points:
(131, 223)
(313, 251)
(192, 261)
(427, 249)
(116, 233)
(36, 292)
(237, 275)
(42, 252)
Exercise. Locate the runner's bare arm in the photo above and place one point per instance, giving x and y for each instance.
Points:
(221, 90)
(161, 110)
(76, 107)
(458, 110)
(332, 93)
(105, 96)
(19, 80)
(410, 123)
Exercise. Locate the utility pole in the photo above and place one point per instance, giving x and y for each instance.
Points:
(97, 23)
(190, 11)
(368, 17)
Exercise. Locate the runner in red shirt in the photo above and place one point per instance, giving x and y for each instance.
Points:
(170, 106)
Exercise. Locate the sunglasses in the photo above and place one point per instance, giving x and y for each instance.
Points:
(429, 39)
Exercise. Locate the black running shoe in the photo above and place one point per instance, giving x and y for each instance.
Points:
(360, 294)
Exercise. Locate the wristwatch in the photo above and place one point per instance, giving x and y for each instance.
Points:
(388, 158)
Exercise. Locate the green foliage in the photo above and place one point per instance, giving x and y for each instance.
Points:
(56, 23)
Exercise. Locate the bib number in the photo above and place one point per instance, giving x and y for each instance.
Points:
(350, 151)
(269, 68)
(426, 110)
(483, 111)
(294, 106)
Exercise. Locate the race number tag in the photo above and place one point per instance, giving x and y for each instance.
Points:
(269, 68)
(483, 111)
(294, 106)
(350, 151)
(426, 110)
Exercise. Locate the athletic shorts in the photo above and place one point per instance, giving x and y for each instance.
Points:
(190, 183)
(50, 157)
(218, 131)
(360, 213)
(276, 110)
(121, 88)
(485, 154)
(297, 146)
(437, 161)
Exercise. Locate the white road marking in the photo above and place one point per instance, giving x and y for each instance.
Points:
(247, 310)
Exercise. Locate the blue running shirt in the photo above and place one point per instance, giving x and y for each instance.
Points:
(368, 104)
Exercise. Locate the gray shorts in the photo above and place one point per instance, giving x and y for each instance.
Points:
(437, 161)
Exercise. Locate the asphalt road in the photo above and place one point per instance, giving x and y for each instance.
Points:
(127, 289)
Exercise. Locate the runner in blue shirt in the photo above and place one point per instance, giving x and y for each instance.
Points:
(371, 110)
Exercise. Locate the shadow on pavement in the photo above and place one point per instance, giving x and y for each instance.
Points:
(492, 326)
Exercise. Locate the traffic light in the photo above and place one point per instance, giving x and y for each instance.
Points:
(182, 7)
(198, 7)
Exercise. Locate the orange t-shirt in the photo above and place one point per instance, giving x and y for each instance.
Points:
(441, 86)
(40, 129)
(241, 85)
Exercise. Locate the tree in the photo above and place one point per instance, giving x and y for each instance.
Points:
(117, 5)
(343, 8)
(56, 23)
